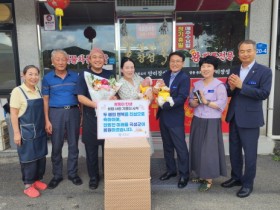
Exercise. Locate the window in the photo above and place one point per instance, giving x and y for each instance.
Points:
(9, 68)
(78, 16)
(148, 42)
(210, 33)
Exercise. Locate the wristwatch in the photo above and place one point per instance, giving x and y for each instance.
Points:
(208, 102)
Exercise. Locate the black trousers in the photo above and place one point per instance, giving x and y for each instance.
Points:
(173, 139)
(246, 139)
(92, 158)
(33, 171)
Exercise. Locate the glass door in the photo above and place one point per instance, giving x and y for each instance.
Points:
(7, 62)
(148, 42)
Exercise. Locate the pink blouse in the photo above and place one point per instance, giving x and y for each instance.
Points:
(214, 92)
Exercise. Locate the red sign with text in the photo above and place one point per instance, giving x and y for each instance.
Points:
(184, 36)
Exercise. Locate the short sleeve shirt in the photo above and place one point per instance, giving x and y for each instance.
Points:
(61, 92)
(18, 100)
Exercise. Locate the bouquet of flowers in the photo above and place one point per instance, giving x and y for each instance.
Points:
(101, 88)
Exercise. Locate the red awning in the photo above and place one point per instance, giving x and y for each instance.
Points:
(197, 5)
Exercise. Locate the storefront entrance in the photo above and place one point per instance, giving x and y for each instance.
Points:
(146, 37)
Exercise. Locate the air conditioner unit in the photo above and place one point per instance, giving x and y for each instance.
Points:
(145, 5)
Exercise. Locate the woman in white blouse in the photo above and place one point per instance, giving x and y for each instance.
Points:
(131, 81)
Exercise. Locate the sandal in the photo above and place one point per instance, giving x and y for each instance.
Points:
(204, 186)
(197, 180)
(39, 185)
(31, 192)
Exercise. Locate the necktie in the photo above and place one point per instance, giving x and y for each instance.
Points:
(172, 76)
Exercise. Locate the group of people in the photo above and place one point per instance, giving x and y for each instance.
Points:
(64, 104)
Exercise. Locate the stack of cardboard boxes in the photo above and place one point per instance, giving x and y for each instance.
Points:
(127, 174)
(4, 136)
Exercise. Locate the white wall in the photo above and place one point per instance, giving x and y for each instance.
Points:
(260, 31)
(28, 48)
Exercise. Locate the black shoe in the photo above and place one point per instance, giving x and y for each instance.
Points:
(182, 182)
(167, 176)
(93, 183)
(231, 183)
(54, 182)
(244, 192)
(76, 180)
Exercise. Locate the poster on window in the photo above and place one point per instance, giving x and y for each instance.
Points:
(184, 36)
(122, 118)
(49, 22)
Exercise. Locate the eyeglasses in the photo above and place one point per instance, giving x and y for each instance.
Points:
(175, 61)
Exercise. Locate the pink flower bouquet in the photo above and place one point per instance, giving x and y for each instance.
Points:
(101, 88)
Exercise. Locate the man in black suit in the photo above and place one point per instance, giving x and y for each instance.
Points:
(248, 85)
(171, 120)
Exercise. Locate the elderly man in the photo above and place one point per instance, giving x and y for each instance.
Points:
(62, 116)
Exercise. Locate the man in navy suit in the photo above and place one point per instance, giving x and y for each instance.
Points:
(248, 85)
(171, 119)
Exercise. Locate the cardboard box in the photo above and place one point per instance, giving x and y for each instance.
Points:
(127, 194)
(4, 129)
(4, 136)
(4, 142)
(126, 159)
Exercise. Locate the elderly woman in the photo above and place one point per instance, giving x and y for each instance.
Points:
(131, 83)
(209, 99)
(27, 117)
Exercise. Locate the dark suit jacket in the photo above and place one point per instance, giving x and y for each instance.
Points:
(174, 116)
(246, 104)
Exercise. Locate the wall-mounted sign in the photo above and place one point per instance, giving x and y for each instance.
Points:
(184, 36)
(122, 118)
(49, 22)
(261, 48)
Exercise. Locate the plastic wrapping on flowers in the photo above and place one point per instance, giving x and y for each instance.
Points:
(101, 88)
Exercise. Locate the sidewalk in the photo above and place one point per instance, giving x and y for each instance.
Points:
(165, 195)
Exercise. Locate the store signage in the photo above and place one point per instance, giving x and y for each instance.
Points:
(184, 36)
(49, 22)
(261, 48)
(146, 31)
(122, 118)
(223, 55)
(76, 59)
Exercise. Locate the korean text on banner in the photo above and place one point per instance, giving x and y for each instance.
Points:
(122, 118)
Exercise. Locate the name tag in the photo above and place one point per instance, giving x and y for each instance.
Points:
(174, 87)
(210, 91)
(252, 82)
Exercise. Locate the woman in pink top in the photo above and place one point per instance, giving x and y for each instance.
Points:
(209, 99)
